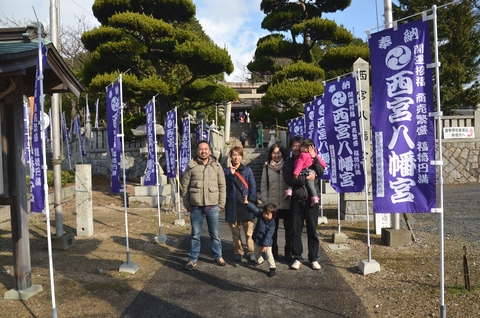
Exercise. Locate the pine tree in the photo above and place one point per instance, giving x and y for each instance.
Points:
(459, 48)
(297, 56)
(165, 51)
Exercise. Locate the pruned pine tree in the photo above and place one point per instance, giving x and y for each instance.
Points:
(459, 48)
(165, 51)
(302, 50)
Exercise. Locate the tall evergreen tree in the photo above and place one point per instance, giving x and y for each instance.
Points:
(164, 49)
(459, 48)
(297, 56)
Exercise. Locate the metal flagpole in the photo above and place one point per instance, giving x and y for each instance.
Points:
(128, 266)
(160, 238)
(44, 167)
(436, 64)
(177, 179)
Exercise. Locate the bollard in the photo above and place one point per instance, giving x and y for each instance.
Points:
(465, 269)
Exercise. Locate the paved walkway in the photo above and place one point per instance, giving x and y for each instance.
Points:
(243, 290)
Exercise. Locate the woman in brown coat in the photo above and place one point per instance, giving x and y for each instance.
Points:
(273, 188)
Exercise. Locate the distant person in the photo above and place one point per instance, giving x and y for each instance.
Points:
(203, 190)
(272, 188)
(301, 207)
(254, 135)
(243, 138)
(240, 184)
(263, 234)
(302, 167)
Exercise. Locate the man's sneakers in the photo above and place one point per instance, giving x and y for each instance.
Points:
(251, 257)
(237, 258)
(190, 266)
(296, 265)
(315, 265)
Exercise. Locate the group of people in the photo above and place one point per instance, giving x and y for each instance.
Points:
(289, 191)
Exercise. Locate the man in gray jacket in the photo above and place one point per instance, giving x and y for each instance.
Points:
(203, 190)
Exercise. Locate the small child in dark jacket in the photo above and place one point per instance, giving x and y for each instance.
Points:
(263, 234)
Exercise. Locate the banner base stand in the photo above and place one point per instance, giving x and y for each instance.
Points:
(179, 222)
(63, 242)
(161, 239)
(369, 267)
(322, 220)
(25, 294)
(338, 247)
(131, 268)
(339, 238)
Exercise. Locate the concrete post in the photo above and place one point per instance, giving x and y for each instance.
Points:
(476, 119)
(83, 188)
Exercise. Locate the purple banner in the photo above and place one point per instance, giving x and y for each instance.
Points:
(151, 170)
(309, 114)
(321, 135)
(96, 114)
(296, 126)
(185, 147)
(343, 136)
(78, 132)
(37, 178)
(113, 115)
(65, 135)
(402, 130)
(202, 133)
(170, 142)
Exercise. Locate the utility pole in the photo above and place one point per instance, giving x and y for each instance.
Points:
(59, 240)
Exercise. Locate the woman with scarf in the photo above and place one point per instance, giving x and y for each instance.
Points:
(240, 184)
(273, 188)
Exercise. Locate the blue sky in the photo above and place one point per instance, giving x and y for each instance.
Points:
(233, 24)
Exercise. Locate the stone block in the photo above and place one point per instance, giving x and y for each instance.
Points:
(396, 238)
(356, 208)
(146, 191)
(63, 242)
(149, 202)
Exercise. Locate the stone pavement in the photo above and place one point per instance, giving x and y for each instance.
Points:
(243, 290)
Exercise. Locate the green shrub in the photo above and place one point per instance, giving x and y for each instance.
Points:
(68, 177)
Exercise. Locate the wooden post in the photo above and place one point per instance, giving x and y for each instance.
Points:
(17, 190)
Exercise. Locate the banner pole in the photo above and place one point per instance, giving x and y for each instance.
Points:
(443, 311)
(177, 179)
(126, 267)
(44, 167)
(160, 238)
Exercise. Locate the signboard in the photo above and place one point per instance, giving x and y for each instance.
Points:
(458, 132)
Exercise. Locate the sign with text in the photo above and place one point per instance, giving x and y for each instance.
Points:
(458, 132)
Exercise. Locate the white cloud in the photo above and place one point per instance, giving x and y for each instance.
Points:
(234, 24)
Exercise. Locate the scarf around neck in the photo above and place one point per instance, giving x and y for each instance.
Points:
(276, 166)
